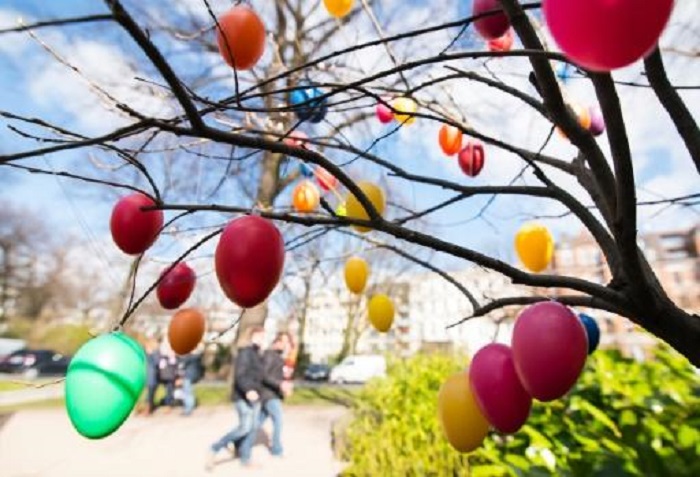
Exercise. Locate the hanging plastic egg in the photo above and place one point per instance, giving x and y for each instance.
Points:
(338, 8)
(384, 113)
(307, 103)
(492, 26)
(534, 246)
(341, 210)
(306, 197)
(405, 107)
(450, 139)
(460, 417)
(306, 170)
(134, 230)
(325, 179)
(549, 349)
(592, 331)
(296, 139)
(241, 37)
(176, 286)
(597, 126)
(472, 158)
(355, 209)
(603, 35)
(356, 274)
(381, 312)
(497, 388)
(186, 330)
(104, 381)
(502, 43)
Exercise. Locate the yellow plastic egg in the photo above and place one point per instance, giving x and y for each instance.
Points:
(406, 106)
(460, 417)
(381, 312)
(354, 208)
(356, 273)
(338, 8)
(535, 246)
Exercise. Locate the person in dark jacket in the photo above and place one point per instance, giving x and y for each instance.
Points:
(152, 359)
(275, 388)
(248, 376)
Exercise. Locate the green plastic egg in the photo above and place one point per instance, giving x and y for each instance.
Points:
(104, 381)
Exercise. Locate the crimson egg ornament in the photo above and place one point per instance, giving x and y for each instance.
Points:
(176, 286)
(384, 113)
(549, 349)
(497, 388)
(450, 139)
(134, 230)
(325, 179)
(492, 26)
(471, 158)
(502, 43)
(241, 37)
(603, 35)
(249, 259)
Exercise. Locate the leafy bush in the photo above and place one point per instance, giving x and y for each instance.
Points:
(65, 339)
(623, 418)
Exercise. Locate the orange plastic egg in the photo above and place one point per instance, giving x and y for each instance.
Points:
(186, 330)
(241, 37)
(450, 139)
(306, 197)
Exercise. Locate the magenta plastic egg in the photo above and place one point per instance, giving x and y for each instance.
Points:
(497, 388)
(597, 126)
(492, 26)
(549, 349)
(384, 113)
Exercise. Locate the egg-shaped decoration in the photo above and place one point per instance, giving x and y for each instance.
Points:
(534, 246)
(404, 109)
(497, 388)
(186, 330)
(306, 170)
(492, 26)
(356, 273)
(472, 158)
(592, 331)
(306, 197)
(338, 8)
(307, 102)
(597, 126)
(176, 286)
(603, 35)
(355, 210)
(297, 139)
(462, 422)
(241, 37)
(549, 349)
(104, 381)
(325, 179)
(503, 43)
(381, 312)
(450, 139)
(384, 113)
(133, 229)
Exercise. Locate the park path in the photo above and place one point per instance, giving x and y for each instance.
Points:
(42, 443)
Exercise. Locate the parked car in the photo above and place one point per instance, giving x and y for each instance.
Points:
(359, 369)
(317, 372)
(35, 362)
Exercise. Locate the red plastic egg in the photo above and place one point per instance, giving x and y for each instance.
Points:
(134, 230)
(176, 286)
(603, 35)
(249, 260)
(497, 388)
(450, 139)
(241, 37)
(325, 179)
(492, 26)
(384, 113)
(296, 139)
(549, 349)
(502, 43)
(186, 330)
(471, 158)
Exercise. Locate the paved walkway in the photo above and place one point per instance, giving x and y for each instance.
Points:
(42, 443)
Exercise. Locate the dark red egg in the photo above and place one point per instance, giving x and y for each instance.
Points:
(492, 26)
(471, 158)
(249, 260)
(134, 230)
(176, 286)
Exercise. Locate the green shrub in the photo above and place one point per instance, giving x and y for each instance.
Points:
(65, 339)
(623, 418)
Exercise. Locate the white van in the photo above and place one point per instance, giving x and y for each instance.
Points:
(359, 369)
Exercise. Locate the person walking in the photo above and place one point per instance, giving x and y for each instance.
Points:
(247, 385)
(192, 370)
(167, 372)
(152, 360)
(275, 388)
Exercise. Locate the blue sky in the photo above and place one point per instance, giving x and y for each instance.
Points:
(30, 87)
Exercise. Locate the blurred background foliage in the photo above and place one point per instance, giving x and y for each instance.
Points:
(622, 418)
